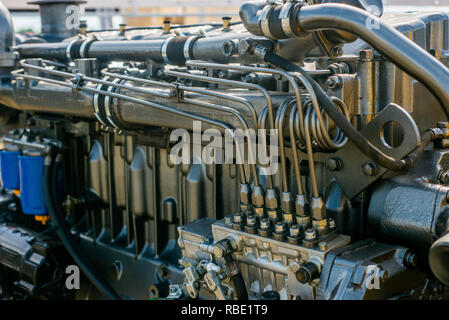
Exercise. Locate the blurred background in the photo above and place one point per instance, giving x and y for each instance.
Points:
(106, 14)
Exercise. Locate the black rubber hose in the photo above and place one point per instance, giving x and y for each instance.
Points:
(50, 194)
(237, 278)
(348, 129)
(239, 286)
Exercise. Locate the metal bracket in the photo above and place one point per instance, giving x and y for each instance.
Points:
(353, 160)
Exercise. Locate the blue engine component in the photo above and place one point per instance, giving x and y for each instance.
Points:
(9, 167)
(32, 183)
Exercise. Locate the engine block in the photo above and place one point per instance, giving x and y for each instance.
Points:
(297, 154)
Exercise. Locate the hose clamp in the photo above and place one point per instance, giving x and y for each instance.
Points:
(84, 46)
(187, 47)
(108, 105)
(69, 49)
(164, 49)
(97, 111)
(285, 19)
(263, 20)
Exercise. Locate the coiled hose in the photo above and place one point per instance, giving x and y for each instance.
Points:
(353, 134)
(57, 218)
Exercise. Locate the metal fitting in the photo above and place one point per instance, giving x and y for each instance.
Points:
(333, 82)
(245, 193)
(310, 234)
(265, 229)
(288, 218)
(322, 245)
(295, 230)
(238, 222)
(229, 48)
(280, 227)
(320, 226)
(166, 26)
(295, 234)
(303, 220)
(280, 231)
(309, 271)
(271, 199)
(245, 46)
(265, 224)
(287, 202)
(251, 78)
(318, 209)
(251, 224)
(370, 169)
(331, 223)
(302, 207)
(334, 164)
(273, 215)
(258, 196)
(336, 51)
(226, 23)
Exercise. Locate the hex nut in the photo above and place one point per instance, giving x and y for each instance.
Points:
(310, 234)
(265, 224)
(302, 207)
(334, 164)
(287, 202)
(271, 199)
(245, 193)
(318, 209)
(258, 196)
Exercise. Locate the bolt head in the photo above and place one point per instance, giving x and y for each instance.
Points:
(366, 54)
(251, 220)
(294, 230)
(310, 234)
(410, 259)
(443, 125)
(238, 218)
(229, 48)
(333, 164)
(245, 46)
(318, 209)
(228, 220)
(251, 78)
(303, 220)
(336, 51)
(331, 223)
(370, 169)
(265, 224)
(280, 227)
(333, 82)
(322, 245)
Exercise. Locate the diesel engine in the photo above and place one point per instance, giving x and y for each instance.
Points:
(301, 153)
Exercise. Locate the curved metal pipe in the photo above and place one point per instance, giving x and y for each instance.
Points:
(7, 38)
(294, 147)
(404, 53)
(280, 119)
(236, 84)
(243, 122)
(212, 122)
